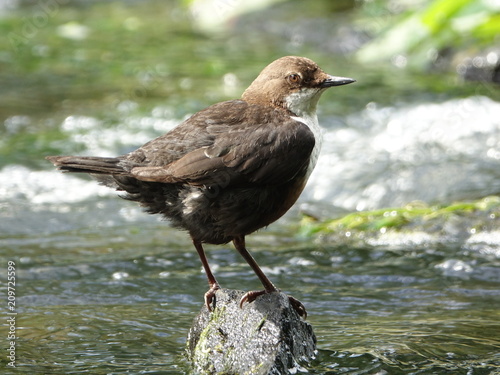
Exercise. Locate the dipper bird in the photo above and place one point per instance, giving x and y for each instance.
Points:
(230, 169)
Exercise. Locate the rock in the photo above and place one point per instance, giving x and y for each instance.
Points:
(264, 337)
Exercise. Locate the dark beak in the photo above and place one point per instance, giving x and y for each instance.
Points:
(336, 81)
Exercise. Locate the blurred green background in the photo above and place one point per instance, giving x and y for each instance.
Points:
(105, 288)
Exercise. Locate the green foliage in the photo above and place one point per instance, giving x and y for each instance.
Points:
(420, 33)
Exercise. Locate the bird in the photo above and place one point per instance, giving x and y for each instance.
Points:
(231, 168)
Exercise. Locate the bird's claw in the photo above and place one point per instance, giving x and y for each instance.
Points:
(298, 306)
(295, 303)
(251, 296)
(210, 296)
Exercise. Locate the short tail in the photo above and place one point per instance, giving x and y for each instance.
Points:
(90, 164)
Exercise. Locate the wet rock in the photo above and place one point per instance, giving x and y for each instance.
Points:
(467, 225)
(266, 336)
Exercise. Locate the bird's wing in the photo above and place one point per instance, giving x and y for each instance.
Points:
(200, 130)
(268, 152)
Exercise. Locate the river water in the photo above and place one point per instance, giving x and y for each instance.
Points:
(103, 288)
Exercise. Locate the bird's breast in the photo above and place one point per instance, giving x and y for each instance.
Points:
(311, 121)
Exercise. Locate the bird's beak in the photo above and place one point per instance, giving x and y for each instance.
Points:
(336, 81)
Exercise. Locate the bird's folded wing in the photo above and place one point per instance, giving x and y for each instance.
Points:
(268, 154)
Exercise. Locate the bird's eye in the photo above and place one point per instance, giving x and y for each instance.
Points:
(294, 78)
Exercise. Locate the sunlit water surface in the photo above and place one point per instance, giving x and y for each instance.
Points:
(117, 296)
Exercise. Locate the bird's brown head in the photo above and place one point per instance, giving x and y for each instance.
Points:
(293, 83)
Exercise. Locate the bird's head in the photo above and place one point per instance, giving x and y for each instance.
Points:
(293, 83)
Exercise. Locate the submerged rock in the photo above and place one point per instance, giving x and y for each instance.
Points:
(461, 224)
(264, 337)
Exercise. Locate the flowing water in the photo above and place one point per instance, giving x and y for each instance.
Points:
(103, 288)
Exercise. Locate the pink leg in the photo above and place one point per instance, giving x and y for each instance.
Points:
(212, 282)
(239, 244)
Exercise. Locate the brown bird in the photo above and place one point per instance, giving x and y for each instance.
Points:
(230, 169)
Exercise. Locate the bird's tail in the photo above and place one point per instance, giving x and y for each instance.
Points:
(90, 164)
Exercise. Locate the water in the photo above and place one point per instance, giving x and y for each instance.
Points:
(432, 151)
(88, 304)
(102, 288)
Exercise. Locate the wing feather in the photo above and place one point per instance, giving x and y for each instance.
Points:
(264, 147)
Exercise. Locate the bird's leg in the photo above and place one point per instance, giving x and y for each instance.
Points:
(212, 282)
(239, 244)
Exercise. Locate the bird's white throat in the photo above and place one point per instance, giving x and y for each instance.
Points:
(303, 104)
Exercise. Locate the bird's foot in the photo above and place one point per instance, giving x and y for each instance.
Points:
(252, 295)
(210, 296)
(295, 303)
(298, 306)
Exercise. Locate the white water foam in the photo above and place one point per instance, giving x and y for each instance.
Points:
(434, 152)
